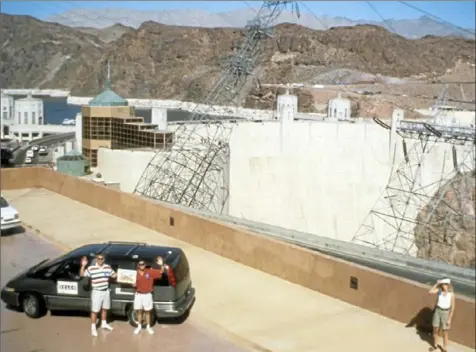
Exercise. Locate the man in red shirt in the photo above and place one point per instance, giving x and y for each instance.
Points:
(143, 298)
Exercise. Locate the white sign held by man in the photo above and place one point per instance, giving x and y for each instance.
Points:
(126, 276)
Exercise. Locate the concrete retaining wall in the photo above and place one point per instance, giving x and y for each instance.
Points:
(384, 294)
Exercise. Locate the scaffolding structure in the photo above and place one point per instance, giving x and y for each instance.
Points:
(420, 214)
(195, 172)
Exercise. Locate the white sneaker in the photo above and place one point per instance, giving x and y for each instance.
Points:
(137, 330)
(107, 327)
(150, 331)
(94, 332)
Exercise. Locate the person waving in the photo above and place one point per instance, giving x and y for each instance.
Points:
(143, 300)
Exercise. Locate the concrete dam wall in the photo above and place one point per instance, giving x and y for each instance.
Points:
(317, 177)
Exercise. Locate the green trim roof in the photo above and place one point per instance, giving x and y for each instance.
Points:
(108, 98)
(72, 155)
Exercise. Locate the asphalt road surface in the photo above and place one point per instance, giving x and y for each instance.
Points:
(72, 332)
(20, 154)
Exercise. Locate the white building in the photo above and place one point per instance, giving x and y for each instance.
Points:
(287, 107)
(6, 114)
(339, 108)
(29, 111)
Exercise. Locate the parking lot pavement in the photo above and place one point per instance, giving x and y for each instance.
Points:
(253, 306)
(72, 332)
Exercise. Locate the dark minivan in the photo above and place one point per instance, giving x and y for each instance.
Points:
(55, 284)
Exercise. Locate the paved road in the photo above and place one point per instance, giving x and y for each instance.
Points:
(20, 154)
(71, 333)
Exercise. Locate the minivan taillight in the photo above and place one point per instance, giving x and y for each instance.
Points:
(171, 275)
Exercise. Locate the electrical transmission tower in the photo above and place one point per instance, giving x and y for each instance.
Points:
(194, 173)
(422, 212)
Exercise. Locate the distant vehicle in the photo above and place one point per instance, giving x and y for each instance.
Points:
(43, 150)
(10, 217)
(69, 122)
(30, 153)
(28, 160)
(55, 284)
(35, 148)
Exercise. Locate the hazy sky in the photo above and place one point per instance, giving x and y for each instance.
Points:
(460, 13)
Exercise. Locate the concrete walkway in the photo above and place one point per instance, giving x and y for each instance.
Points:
(246, 304)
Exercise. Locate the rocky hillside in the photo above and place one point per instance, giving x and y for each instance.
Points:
(450, 232)
(170, 62)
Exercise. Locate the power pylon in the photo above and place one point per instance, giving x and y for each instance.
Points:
(419, 212)
(194, 173)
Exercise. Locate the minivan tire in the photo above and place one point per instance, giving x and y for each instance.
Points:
(132, 317)
(33, 306)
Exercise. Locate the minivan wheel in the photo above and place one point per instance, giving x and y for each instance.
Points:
(132, 317)
(33, 306)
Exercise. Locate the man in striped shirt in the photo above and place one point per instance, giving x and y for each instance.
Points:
(99, 274)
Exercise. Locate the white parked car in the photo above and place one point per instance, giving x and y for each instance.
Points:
(10, 217)
(27, 160)
(35, 148)
(43, 151)
(30, 153)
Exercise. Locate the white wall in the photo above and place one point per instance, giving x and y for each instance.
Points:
(123, 166)
(78, 132)
(316, 177)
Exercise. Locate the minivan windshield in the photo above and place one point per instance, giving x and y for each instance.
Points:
(3, 202)
(46, 263)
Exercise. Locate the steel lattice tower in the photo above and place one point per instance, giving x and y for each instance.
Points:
(194, 172)
(413, 199)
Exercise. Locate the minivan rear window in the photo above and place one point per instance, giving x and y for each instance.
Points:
(182, 269)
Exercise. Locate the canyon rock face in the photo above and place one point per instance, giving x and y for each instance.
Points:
(446, 228)
(183, 63)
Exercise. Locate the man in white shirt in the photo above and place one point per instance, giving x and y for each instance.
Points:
(99, 274)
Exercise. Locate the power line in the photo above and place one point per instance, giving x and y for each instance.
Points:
(437, 18)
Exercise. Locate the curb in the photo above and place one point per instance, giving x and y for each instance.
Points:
(46, 238)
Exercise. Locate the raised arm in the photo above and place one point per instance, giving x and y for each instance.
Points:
(435, 289)
(83, 271)
(157, 273)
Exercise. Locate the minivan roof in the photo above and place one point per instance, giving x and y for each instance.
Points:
(121, 250)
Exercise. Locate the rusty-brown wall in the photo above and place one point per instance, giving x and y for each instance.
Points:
(393, 297)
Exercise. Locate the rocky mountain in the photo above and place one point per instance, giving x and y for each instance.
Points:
(446, 226)
(102, 18)
(108, 34)
(170, 62)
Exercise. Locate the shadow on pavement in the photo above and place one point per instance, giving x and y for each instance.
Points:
(422, 322)
(15, 231)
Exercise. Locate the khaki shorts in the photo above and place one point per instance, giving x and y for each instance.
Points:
(440, 318)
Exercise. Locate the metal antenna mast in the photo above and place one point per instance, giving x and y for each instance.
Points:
(194, 172)
(420, 213)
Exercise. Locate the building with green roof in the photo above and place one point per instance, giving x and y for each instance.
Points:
(109, 122)
(72, 163)
(108, 97)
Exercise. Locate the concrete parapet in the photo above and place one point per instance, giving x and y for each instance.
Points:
(395, 298)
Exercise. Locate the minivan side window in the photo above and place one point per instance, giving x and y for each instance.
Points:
(70, 271)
